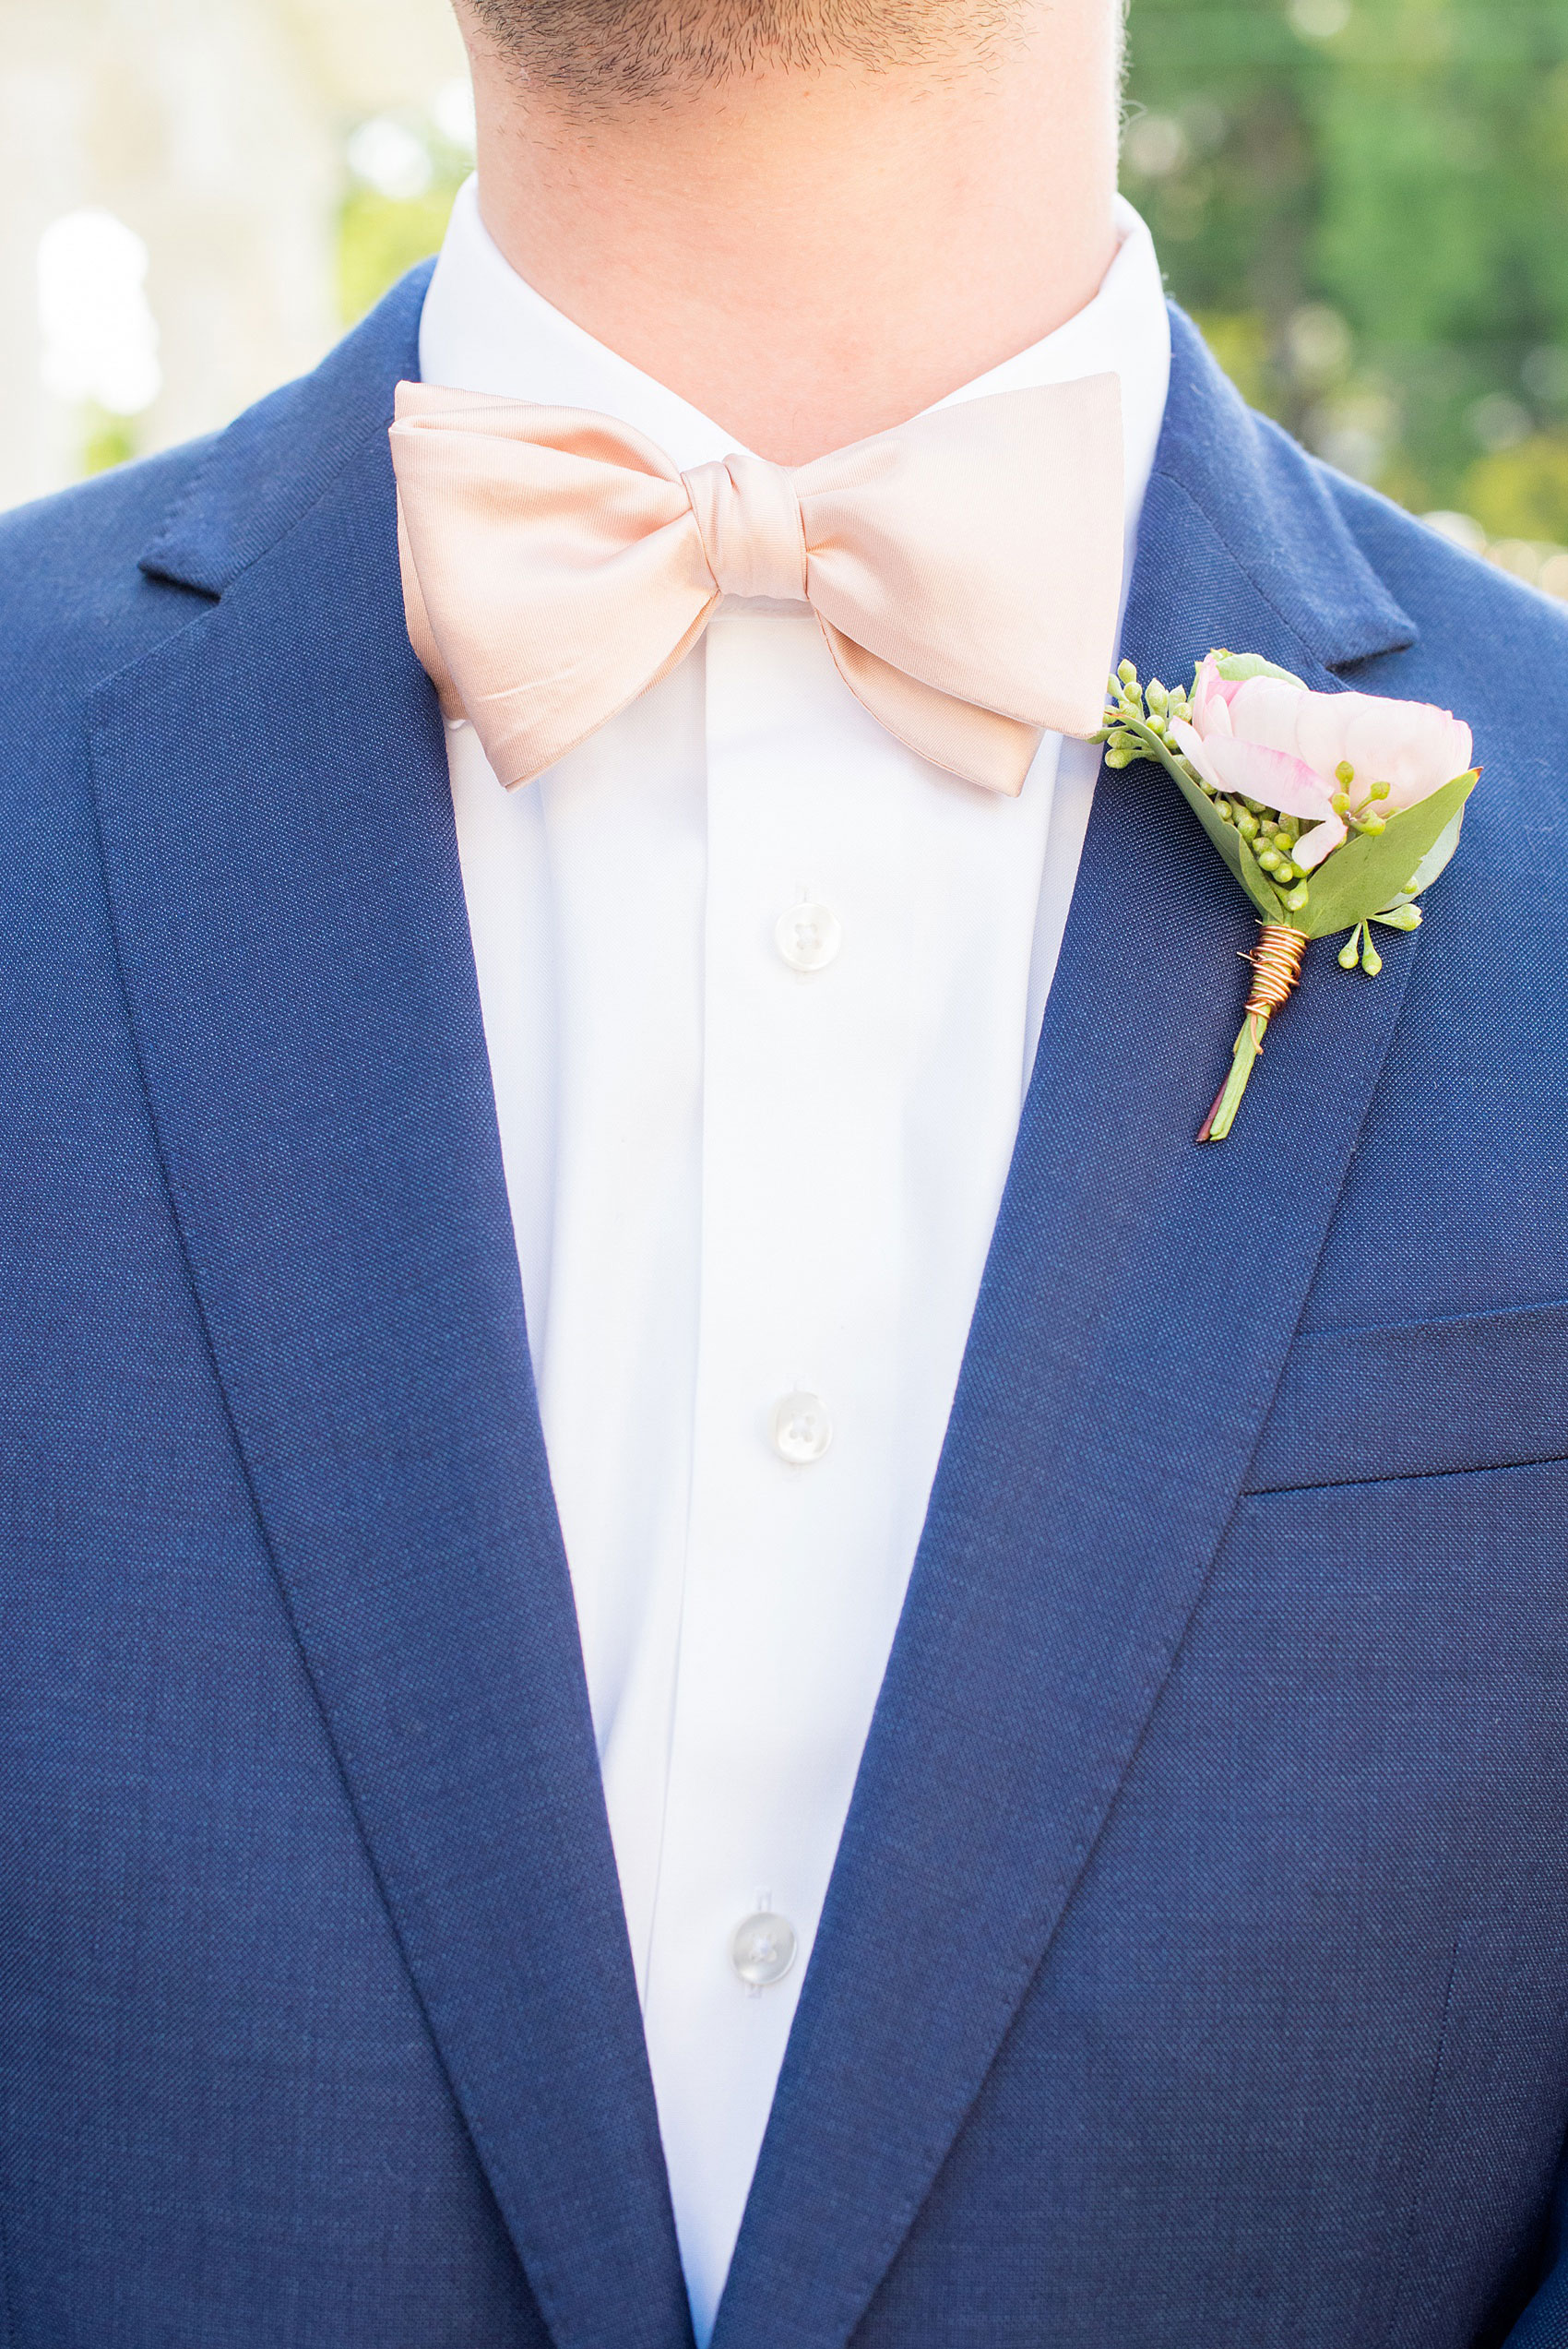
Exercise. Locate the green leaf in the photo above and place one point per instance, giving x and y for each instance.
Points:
(1433, 864)
(1370, 872)
(1243, 865)
(1238, 668)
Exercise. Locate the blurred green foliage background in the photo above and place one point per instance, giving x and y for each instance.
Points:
(1364, 203)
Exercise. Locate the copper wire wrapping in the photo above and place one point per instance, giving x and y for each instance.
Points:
(1276, 966)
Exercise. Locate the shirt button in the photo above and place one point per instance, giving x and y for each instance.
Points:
(808, 937)
(801, 1429)
(761, 1949)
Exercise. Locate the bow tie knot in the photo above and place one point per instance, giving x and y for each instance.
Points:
(749, 519)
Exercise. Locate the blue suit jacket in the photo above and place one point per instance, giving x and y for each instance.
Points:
(1196, 1968)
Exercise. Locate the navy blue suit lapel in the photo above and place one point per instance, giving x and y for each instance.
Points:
(279, 845)
(1139, 1298)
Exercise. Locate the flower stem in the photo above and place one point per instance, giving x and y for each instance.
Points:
(1249, 1046)
(1276, 966)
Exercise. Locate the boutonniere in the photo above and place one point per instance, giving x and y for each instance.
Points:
(1334, 811)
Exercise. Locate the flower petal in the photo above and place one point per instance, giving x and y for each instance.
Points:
(1322, 731)
(1268, 710)
(1408, 746)
(1190, 743)
(1461, 745)
(1313, 846)
(1253, 771)
(1212, 697)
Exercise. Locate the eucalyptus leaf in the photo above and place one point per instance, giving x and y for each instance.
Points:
(1433, 865)
(1371, 871)
(1243, 865)
(1240, 668)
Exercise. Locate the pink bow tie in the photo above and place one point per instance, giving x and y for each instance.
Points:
(966, 569)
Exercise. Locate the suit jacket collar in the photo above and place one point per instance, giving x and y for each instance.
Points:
(279, 839)
(282, 456)
(1238, 477)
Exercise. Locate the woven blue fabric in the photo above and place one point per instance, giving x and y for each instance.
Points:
(1194, 1975)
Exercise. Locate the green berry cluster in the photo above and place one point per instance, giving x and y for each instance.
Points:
(1361, 816)
(1134, 714)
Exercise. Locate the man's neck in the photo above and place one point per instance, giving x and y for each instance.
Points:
(810, 259)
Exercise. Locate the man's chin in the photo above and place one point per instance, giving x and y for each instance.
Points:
(604, 54)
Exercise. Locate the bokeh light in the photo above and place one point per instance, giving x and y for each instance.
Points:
(98, 336)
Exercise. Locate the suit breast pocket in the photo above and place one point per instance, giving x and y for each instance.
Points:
(1418, 1399)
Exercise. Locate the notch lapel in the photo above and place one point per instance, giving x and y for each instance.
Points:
(282, 864)
(1136, 1307)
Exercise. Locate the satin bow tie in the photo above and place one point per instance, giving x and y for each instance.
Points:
(966, 569)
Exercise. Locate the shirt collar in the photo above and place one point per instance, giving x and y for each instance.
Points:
(485, 328)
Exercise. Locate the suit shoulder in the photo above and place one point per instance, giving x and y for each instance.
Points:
(74, 608)
(74, 603)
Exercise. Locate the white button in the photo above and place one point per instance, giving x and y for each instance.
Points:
(809, 937)
(763, 1949)
(801, 1429)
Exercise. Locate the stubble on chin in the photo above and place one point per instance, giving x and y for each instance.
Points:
(598, 55)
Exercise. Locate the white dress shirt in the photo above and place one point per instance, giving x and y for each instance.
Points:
(761, 992)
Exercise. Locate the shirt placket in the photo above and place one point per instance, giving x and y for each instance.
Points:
(789, 1583)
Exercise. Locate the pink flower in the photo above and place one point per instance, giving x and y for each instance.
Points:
(1274, 742)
